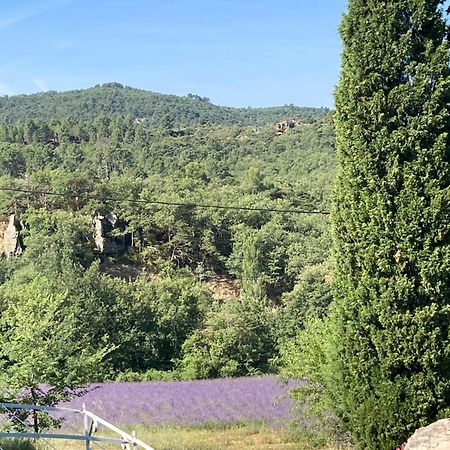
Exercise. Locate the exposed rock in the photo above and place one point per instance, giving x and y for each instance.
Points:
(285, 125)
(222, 288)
(104, 242)
(433, 437)
(102, 226)
(99, 237)
(10, 239)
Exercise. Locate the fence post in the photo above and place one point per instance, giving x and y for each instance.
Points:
(86, 427)
(90, 422)
(134, 440)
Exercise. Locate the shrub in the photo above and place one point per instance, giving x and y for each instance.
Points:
(17, 444)
(238, 339)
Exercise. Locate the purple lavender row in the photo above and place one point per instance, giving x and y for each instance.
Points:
(196, 402)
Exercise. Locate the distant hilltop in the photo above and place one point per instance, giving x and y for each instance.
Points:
(118, 100)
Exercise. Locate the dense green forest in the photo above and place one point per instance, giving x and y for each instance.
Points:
(117, 100)
(143, 290)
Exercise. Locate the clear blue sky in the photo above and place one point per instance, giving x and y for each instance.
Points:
(236, 52)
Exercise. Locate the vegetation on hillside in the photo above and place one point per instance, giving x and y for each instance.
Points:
(172, 290)
(158, 237)
(114, 99)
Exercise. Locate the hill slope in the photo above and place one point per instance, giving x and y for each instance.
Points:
(129, 262)
(115, 99)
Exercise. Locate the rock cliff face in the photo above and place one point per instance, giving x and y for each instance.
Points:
(433, 437)
(10, 244)
(105, 243)
(104, 226)
(285, 125)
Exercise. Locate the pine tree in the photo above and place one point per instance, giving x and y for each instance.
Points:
(388, 358)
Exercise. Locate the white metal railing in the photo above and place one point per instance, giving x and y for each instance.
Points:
(90, 426)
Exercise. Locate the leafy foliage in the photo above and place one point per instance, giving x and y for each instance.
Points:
(187, 291)
(158, 110)
(237, 339)
(381, 356)
(17, 444)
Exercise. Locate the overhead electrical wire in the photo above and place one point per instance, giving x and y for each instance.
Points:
(160, 202)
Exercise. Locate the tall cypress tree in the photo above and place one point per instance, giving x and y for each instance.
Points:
(389, 363)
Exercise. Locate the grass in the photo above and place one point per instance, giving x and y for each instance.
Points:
(16, 444)
(236, 437)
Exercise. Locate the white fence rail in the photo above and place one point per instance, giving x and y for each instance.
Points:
(90, 423)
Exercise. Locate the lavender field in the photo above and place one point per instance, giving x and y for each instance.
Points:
(222, 401)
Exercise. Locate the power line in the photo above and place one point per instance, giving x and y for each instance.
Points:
(160, 202)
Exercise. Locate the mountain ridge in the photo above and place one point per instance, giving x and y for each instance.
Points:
(119, 100)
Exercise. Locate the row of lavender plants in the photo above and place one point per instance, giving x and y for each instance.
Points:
(220, 401)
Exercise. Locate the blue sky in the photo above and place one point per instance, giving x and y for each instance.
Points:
(236, 52)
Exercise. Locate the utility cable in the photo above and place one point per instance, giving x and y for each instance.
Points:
(162, 203)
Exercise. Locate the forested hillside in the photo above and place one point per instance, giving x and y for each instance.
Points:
(111, 267)
(156, 109)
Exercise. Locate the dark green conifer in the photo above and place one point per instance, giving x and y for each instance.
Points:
(389, 360)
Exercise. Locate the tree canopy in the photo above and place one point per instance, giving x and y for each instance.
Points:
(114, 99)
(154, 287)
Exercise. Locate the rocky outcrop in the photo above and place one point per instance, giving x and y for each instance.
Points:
(106, 243)
(11, 245)
(433, 437)
(285, 125)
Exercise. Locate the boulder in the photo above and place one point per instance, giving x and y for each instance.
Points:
(433, 437)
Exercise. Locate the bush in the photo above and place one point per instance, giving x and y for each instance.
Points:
(148, 375)
(17, 444)
(238, 339)
(310, 298)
